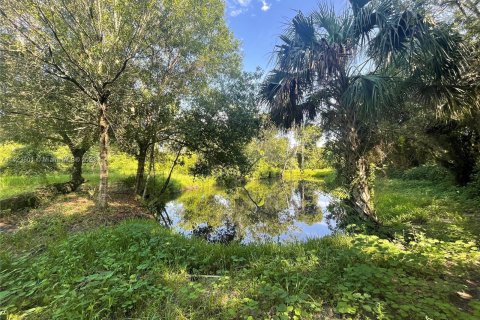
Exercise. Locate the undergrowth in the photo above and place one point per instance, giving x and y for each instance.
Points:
(142, 271)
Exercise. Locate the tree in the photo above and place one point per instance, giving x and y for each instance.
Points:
(87, 43)
(310, 155)
(449, 133)
(456, 132)
(196, 47)
(146, 119)
(355, 69)
(37, 108)
(218, 124)
(214, 128)
(270, 152)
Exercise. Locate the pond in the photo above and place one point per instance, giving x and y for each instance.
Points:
(274, 211)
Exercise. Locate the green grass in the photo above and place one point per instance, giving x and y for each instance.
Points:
(140, 270)
(439, 209)
(121, 166)
(12, 185)
(52, 269)
(308, 174)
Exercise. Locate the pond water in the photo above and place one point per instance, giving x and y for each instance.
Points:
(278, 211)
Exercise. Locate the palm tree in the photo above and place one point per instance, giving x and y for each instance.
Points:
(354, 69)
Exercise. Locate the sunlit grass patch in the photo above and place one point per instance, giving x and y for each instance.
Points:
(12, 185)
(440, 209)
(307, 174)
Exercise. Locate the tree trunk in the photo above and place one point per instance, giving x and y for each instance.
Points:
(150, 168)
(302, 139)
(360, 191)
(141, 159)
(357, 174)
(76, 170)
(165, 185)
(103, 186)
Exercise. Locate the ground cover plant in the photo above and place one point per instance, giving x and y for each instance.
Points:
(59, 264)
(137, 269)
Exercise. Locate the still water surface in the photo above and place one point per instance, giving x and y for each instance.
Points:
(279, 211)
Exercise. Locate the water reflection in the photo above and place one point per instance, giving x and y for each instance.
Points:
(259, 212)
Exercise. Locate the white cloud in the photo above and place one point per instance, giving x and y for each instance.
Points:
(243, 3)
(235, 12)
(265, 6)
(238, 7)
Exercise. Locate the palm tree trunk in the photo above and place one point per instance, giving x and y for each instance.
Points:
(103, 186)
(357, 174)
(360, 191)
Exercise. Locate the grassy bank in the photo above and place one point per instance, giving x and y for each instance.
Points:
(139, 270)
(437, 208)
(69, 261)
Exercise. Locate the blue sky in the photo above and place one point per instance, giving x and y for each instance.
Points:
(258, 23)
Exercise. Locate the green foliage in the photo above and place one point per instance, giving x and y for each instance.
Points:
(427, 172)
(156, 184)
(263, 170)
(220, 123)
(138, 269)
(30, 160)
(474, 186)
(123, 163)
(270, 153)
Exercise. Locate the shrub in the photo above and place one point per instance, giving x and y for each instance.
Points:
(473, 188)
(30, 160)
(266, 171)
(155, 186)
(6, 150)
(427, 172)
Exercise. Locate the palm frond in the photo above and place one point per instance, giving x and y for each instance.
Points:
(302, 28)
(370, 94)
(284, 94)
(327, 21)
(370, 17)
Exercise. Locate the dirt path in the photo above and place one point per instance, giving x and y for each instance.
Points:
(78, 210)
(5, 227)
